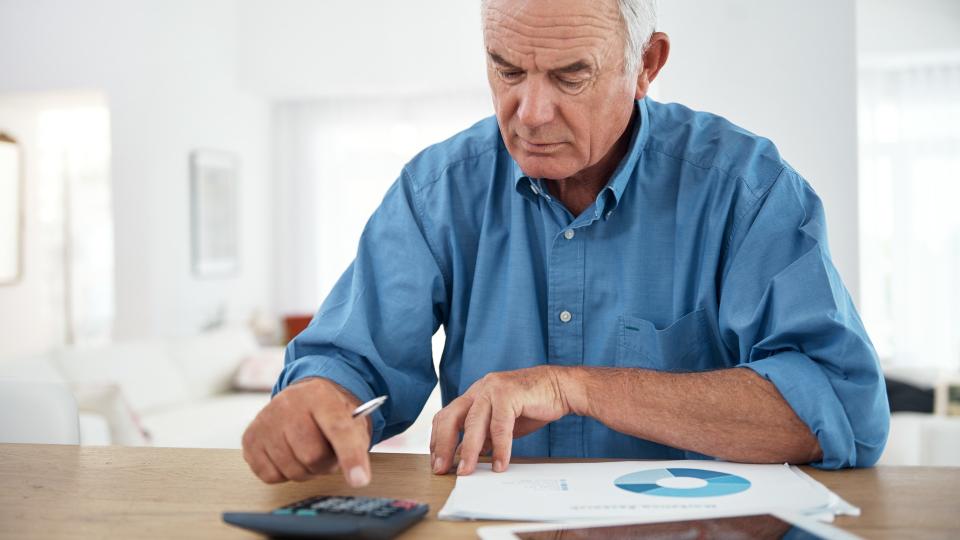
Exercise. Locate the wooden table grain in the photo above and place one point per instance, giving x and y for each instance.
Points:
(52, 491)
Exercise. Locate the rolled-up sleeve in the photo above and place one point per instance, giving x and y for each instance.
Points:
(372, 335)
(785, 313)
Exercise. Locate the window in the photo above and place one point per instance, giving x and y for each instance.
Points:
(909, 116)
(73, 146)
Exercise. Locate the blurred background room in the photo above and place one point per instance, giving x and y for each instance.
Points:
(182, 182)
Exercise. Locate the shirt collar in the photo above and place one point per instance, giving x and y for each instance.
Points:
(609, 196)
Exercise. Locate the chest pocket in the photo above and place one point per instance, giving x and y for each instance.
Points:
(680, 346)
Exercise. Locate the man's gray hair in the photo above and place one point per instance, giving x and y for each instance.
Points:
(639, 21)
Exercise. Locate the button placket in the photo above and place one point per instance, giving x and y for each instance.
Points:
(565, 327)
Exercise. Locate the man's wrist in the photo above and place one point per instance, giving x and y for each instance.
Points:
(572, 382)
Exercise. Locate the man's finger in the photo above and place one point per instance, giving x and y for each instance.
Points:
(310, 448)
(433, 438)
(350, 440)
(446, 433)
(261, 466)
(502, 421)
(475, 429)
(282, 458)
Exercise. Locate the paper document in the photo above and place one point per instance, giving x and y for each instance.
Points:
(624, 489)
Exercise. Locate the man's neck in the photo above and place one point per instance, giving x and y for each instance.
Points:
(579, 191)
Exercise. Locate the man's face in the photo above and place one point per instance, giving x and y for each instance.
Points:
(556, 70)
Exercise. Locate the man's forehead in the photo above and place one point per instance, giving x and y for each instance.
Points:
(600, 9)
(551, 34)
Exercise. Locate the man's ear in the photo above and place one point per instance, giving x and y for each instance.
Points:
(654, 57)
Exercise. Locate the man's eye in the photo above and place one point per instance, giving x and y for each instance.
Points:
(510, 76)
(572, 84)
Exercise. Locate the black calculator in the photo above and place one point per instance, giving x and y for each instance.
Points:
(333, 517)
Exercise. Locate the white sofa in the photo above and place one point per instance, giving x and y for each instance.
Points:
(158, 392)
(922, 438)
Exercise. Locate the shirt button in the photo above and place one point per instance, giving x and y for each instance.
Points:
(569, 234)
(565, 316)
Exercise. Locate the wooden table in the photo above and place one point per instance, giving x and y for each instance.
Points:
(50, 491)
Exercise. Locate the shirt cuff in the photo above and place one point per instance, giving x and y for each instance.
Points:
(338, 372)
(806, 388)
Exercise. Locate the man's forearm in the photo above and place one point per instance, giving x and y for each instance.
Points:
(731, 414)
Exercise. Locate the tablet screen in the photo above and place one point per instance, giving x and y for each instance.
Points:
(742, 527)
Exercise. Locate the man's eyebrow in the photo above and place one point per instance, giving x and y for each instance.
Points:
(579, 65)
(497, 59)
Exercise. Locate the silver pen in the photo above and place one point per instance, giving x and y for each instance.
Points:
(369, 407)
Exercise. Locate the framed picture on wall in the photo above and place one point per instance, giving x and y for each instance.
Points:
(11, 210)
(214, 230)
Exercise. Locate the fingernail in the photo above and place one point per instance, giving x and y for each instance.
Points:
(461, 467)
(358, 477)
(437, 465)
(498, 466)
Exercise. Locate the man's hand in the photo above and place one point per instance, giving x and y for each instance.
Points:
(307, 430)
(495, 410)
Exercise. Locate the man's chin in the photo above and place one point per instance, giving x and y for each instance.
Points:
(549, 167)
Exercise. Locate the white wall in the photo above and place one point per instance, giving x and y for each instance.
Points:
(895, 27)
(303, 49)
(168, 70)
(785, 70)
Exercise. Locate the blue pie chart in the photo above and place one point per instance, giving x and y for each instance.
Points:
(681, 482)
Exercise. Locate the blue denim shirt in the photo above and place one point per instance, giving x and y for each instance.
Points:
(704, 251)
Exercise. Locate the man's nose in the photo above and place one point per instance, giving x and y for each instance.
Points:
(536, 103)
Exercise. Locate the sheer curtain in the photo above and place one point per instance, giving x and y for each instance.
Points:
(73, 146)
(909, 114)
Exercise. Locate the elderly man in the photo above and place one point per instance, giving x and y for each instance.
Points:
(616, 278)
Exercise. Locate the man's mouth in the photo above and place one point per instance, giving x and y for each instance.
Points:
(539, 147)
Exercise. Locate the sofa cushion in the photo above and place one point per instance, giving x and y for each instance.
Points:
(209, 360)
(216, 422)
(108, 402)
(147, 377)
(259, 371)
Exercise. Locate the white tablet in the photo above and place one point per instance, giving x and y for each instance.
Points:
(758, 526)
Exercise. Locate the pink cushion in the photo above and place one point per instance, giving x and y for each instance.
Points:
(259, 371)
